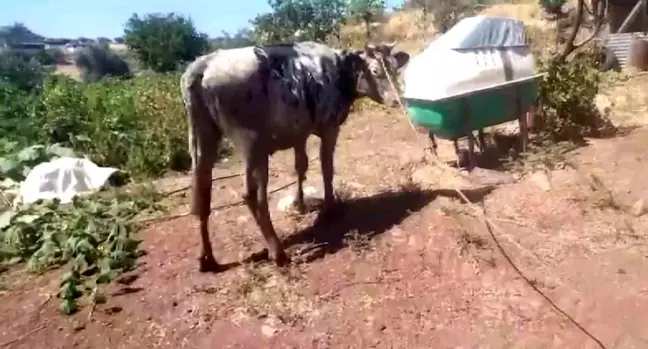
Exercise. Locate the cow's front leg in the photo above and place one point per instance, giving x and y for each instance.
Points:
(256, 182)
(327, 150)
(301, 167)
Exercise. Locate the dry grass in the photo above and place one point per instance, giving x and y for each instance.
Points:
(265, 292)
(70, 70)
(623, 95)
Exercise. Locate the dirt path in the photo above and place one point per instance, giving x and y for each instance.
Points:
(403, 268)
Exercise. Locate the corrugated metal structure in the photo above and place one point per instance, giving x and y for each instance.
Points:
(619, 44)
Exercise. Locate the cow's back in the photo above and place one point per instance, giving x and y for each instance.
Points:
(278, 92)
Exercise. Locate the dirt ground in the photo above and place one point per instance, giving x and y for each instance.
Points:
(404, 267)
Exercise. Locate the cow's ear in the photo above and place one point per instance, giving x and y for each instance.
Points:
(401, 59)
(389, 46)
(370, 49)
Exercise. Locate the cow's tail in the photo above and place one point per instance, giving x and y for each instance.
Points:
(200, 121)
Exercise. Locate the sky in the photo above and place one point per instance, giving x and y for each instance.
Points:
(86, 18)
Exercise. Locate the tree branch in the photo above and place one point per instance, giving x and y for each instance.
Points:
(599, 19)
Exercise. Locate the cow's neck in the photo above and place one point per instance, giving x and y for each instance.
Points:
(348, 82)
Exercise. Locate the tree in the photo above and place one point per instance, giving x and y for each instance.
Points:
(103, 41)
(242, 38)
(447, 13)
(18, 33)
(98, 61)
(599, 20)
(366, 11)
(118, 40)
(163, 42)
(300, 20)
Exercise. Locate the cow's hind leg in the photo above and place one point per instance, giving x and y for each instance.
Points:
(201, 203)
(256, 181)
(301, 167)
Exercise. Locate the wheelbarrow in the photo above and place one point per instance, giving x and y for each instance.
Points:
(458, 116)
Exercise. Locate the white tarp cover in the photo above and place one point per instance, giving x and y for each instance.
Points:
(485, 32)
(63, 178)
(476, 53)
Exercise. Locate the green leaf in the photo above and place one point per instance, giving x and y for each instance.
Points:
(26, 218)
(68, 306)
(5, 219)
(30, 154)
(9, 168)
(59, 150)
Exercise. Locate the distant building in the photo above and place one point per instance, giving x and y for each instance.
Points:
(26, 47)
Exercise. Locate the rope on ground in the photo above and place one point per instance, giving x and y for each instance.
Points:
(8, 343)
(216, 208)
(481, 212)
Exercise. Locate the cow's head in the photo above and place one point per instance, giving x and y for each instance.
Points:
(378, 65)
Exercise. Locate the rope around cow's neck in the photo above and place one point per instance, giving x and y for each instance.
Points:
(398, 97)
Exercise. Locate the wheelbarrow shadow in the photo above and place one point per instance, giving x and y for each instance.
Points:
(500, 150)
(365, 217)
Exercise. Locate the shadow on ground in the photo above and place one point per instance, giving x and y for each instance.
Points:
(367, 217)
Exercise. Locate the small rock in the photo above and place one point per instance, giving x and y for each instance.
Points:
(127, 279)
(285, 203)
(541, 179)
(113, 310)
(639, 208)
(268, 330)
(78, 326)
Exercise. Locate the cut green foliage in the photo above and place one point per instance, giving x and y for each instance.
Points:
(92, 238)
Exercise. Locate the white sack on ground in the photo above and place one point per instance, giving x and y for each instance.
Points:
(63, 178)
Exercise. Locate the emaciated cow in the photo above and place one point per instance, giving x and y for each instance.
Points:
(269, 98)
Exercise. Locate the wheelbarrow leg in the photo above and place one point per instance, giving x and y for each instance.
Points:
(471, 151)
(522, 121)
(434, 143)
(482, 140)
(465, 111)
(455, 143)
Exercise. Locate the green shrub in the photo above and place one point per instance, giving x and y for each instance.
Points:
(138, 125)
(21, 70)
(97, 62)
(50, 56)
(567, 109)
(16, 115)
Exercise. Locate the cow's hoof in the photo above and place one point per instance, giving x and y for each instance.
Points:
(209, 265)
(282, 259)
(330, 213)
(300, 208)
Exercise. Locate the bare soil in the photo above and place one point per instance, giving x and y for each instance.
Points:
(403, 267)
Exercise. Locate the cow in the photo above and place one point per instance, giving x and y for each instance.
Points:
(270, 98)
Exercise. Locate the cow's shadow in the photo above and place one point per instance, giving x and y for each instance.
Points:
(364, 218)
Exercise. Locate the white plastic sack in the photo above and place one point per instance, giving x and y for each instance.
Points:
(478, 52)
(63, 178)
